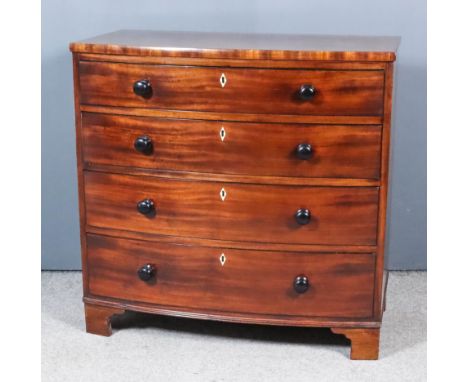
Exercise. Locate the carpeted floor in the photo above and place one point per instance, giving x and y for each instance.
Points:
(152, 348)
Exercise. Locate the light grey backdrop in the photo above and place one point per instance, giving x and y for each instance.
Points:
(65, 21)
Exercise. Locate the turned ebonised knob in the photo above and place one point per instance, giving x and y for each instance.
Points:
(143, 88)
(301, 284)
(146, 272)
(145, 206)
(144, 145)
(303, 216)
(304, 151)
(306, 92)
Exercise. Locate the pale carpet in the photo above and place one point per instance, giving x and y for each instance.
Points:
(153, 348)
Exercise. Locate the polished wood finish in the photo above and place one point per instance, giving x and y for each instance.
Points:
(298, 236)
(283, 247)
(238, 63)
(244, 117)
(251, 318)
(233, 178)
(364, 342)
(384, 174)
(241, 46)
(345, 151)
(341, 285)
(261, 91)
(80, 167)
(98, 319)
(253, 213)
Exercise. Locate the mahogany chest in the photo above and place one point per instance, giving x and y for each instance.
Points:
(235, 177)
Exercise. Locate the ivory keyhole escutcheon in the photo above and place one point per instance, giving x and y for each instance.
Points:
(222, 134)
(222, 259)
(223, 80)
(223, 194)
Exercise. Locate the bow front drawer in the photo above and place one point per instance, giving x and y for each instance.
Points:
(259, 149)
(223, 279)
(229, 211)
(233, 90)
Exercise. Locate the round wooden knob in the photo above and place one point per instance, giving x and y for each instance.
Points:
(306, 92)
(143, 88)
(304, 151)
(145, 206)
(301, 284)
(146, 272)
(144, 145)
(303, 216)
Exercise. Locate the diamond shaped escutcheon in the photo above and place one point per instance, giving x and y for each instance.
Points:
(223, 194)
(222, 259)
(222, 134)
(223, 80)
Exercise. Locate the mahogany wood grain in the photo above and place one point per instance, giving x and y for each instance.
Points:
(383, 200)
(345, 185)
(241, 46)
(245, 63)
(233, 178)
(251, 318)
(239, 117)
(260, 91)
(341, 285)
(80, 166)
(364, 342)
(256, 213)
(283, 247)
(98, 319)
(341, 151)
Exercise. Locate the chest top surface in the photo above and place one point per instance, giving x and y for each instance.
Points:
(241, 45)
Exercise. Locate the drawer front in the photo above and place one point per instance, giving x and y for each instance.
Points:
(264, 91)
(339, 285)
(228, 211)
(340, 151)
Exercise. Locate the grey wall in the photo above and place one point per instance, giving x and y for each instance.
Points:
(65, 21)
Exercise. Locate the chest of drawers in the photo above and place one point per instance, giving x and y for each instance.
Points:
(231, 177)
